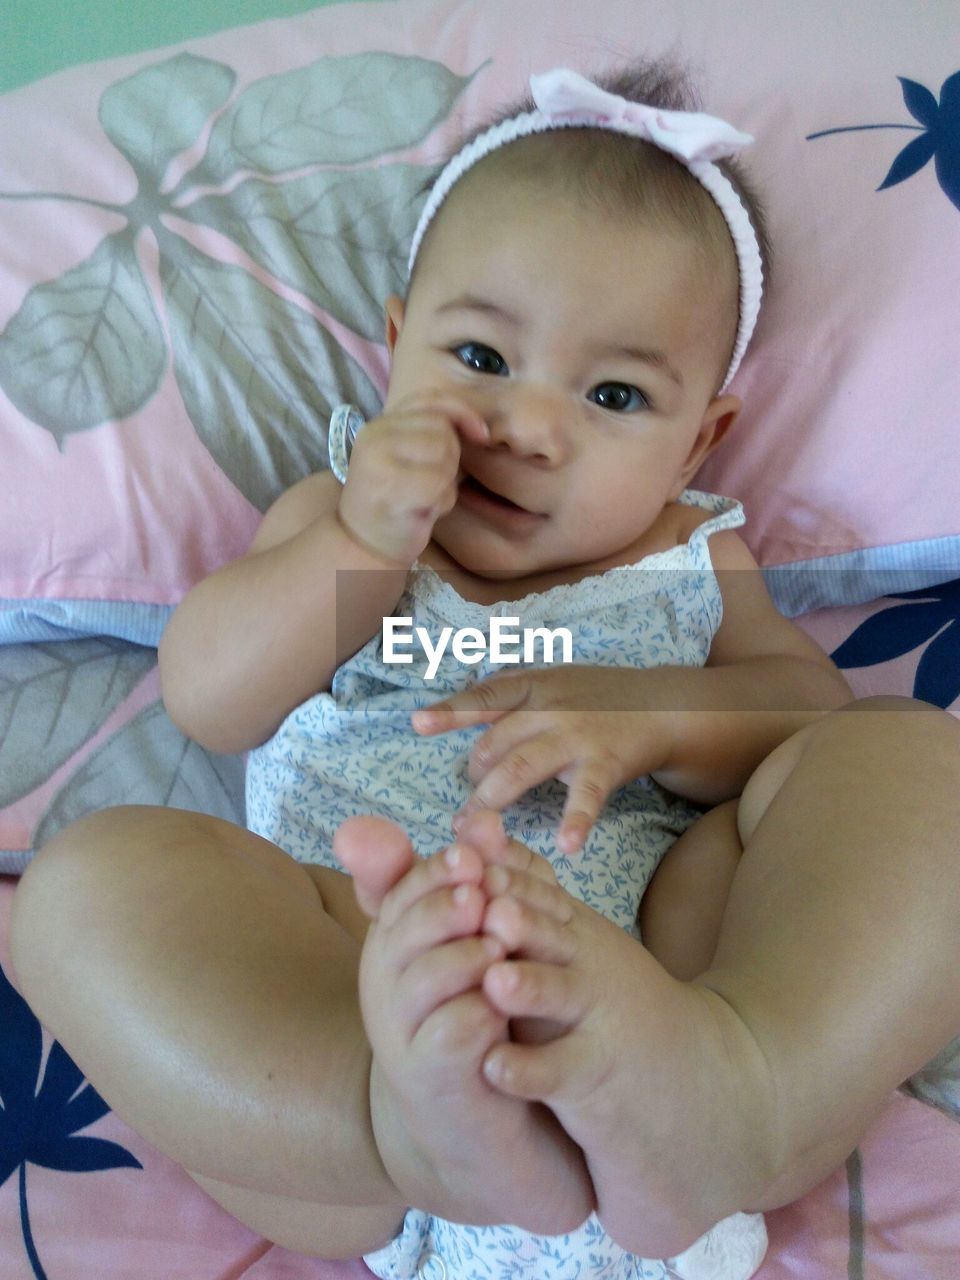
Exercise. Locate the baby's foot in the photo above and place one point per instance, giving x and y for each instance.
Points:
(452, 1144)
(658, 1081)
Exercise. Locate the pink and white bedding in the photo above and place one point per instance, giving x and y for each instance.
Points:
(194, 241)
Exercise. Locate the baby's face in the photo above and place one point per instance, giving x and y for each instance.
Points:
(590, 345)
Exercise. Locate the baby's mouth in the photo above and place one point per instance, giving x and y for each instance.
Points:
(472, 485)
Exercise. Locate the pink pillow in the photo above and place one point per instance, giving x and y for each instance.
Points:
(167, 361)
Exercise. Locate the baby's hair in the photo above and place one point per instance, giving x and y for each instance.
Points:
(622, 174)
(629, 165)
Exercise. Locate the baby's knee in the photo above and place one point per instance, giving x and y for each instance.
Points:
(866, 744)
(61, 896)
(91, 847)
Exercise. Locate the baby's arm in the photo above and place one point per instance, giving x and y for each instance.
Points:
(263, 634)
(764, 679)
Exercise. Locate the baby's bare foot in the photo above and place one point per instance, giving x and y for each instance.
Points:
(452, 1144)
(656, 1080)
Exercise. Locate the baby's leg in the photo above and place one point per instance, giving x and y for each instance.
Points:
(454, 1145)
(193, 972)
(834, 979)
(683, 906)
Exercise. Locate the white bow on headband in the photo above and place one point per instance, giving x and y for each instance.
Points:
(565, 95)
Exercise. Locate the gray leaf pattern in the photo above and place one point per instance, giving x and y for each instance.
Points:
(136, 112)
(340, 238)
(253, 372)
(339, 111)
(149, 761)
(88, 347)
(53, 698)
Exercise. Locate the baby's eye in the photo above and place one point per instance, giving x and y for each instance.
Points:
(619, 397)
(478, 356)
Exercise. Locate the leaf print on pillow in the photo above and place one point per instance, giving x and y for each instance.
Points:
(136, 113)
(252, 369)
(336, 111)
(86, 347)
(90, 347)
(939, 130)
(340, 238)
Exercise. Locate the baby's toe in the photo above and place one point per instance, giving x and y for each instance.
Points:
(527, 931)
(459, 1033)
(443, 973)
(532, 989)
(456, 865)
(377, 854)
(449, 912)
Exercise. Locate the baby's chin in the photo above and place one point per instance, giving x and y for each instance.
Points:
(511, 578)
(504, 567)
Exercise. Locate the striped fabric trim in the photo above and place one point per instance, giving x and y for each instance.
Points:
(24, 621)
(858, 577)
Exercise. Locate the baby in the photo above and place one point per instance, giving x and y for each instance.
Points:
(479, 1031)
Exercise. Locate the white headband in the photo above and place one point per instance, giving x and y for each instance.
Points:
(567, 100)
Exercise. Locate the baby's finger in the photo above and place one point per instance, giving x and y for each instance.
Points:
(526, 765)
(465, 420)
(504, 736)
(482, 829)
(482, 703)
(589, 783)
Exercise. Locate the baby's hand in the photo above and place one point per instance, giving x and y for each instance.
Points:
(403, 474)
(593, 728)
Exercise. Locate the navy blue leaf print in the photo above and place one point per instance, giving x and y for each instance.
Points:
(939, 129)
(890, 634)
(910, 160)
(948, 145)
(919, 101)
(938, 672)
(39, 1125)
(933, 615)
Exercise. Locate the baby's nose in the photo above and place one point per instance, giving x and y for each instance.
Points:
(532, 421)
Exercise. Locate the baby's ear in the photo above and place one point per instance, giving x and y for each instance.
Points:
(395, 309)
(720, 415)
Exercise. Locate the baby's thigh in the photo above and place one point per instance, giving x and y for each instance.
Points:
(339, 900)
(128, 868)
(318, 1230)
(167, 950)
(123, 876)
(137, 896)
